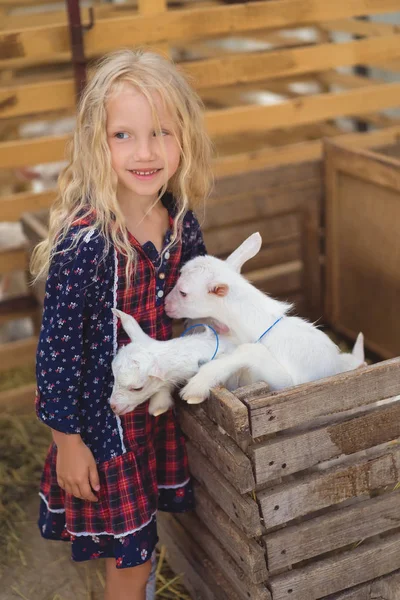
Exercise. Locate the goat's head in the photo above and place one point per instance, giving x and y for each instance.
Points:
(137, 376)
(206, 282)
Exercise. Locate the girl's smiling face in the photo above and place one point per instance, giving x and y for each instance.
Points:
(143, 158)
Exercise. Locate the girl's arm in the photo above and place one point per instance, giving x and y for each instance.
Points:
(60, 348)
(59, 363)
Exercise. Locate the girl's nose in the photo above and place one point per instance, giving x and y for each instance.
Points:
(145, 150)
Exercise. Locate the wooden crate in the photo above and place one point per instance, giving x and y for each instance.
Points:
(363, 245)
(297, 490)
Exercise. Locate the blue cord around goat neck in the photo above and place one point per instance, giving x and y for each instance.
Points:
(269, 328)
(209, 327)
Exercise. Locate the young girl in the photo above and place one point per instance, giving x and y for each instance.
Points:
(118, 235)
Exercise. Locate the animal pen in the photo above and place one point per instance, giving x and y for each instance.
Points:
(296, 491)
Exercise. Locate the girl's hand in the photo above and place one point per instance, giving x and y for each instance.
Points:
(76, 468)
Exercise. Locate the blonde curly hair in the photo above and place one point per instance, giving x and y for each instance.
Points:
(87, 186)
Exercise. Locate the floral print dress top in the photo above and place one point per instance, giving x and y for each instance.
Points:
(141, 459)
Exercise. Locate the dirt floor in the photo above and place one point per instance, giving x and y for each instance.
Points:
(44, 569)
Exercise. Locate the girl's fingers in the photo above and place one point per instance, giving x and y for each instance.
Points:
(94, 478)
(76, 491)
(87, 493)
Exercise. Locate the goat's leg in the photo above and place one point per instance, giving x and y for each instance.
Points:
(256, 358)
(160, 402)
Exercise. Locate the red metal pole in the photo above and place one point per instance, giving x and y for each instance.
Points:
(77, 44)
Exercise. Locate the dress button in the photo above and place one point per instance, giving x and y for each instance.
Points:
(167, 255)
(162, 275)
(160, 294)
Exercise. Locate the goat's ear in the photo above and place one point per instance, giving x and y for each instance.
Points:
(245, 252)
(219, 327)
(131, 326)
(219, 289)
(156, 371)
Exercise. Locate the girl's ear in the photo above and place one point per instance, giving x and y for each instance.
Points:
(131, 327)
(219, 289)
(245, 252)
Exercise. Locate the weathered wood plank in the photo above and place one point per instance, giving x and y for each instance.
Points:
(303, 403)
(276, 254)
(329, 487)
(384, 588)
(220, 449)
(364, 175)
(18, 307)
(217, 72)
(36, 98)
(18, 400)
(262, 203)
(309, 109)
(225, 409)
(246, 552)
(15, 259)
(254, 390)
(21, 153)
(288, 62)
(278, 280)
(219, 557)
(297, 153)
(14, 154)
(12, 207)
(243, 510)
(277, 229)
(339, 572)
(382, 170)
(52, 43)
(184, 556)
(334, 530)
(294, 453)
(361, 27)
(17, 354)
(270, 181)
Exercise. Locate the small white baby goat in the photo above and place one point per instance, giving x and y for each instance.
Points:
(294, 351)
(148, 368)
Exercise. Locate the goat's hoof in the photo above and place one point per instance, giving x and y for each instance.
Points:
(195, 400)
(159, 412)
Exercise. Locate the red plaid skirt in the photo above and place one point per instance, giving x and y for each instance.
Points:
(132, 485)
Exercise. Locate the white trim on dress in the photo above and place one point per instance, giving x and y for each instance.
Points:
(174, 487)
(89, 235)
(53, 510)
(115, 342)
(119, 535)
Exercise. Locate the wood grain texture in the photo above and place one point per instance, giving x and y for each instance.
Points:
(243, 510)
(304, 403)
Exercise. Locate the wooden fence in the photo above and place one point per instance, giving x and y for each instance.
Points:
(234, 53)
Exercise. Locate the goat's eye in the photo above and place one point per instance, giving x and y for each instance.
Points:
(183, 294)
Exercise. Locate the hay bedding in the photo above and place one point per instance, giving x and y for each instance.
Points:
(32, 568)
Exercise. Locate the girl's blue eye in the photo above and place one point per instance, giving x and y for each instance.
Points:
(120, 135)
(160, 133)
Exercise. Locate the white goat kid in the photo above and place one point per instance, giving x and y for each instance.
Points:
(293, 351)
(148, 368)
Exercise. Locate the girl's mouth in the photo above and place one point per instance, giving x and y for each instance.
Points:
(145, 175)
